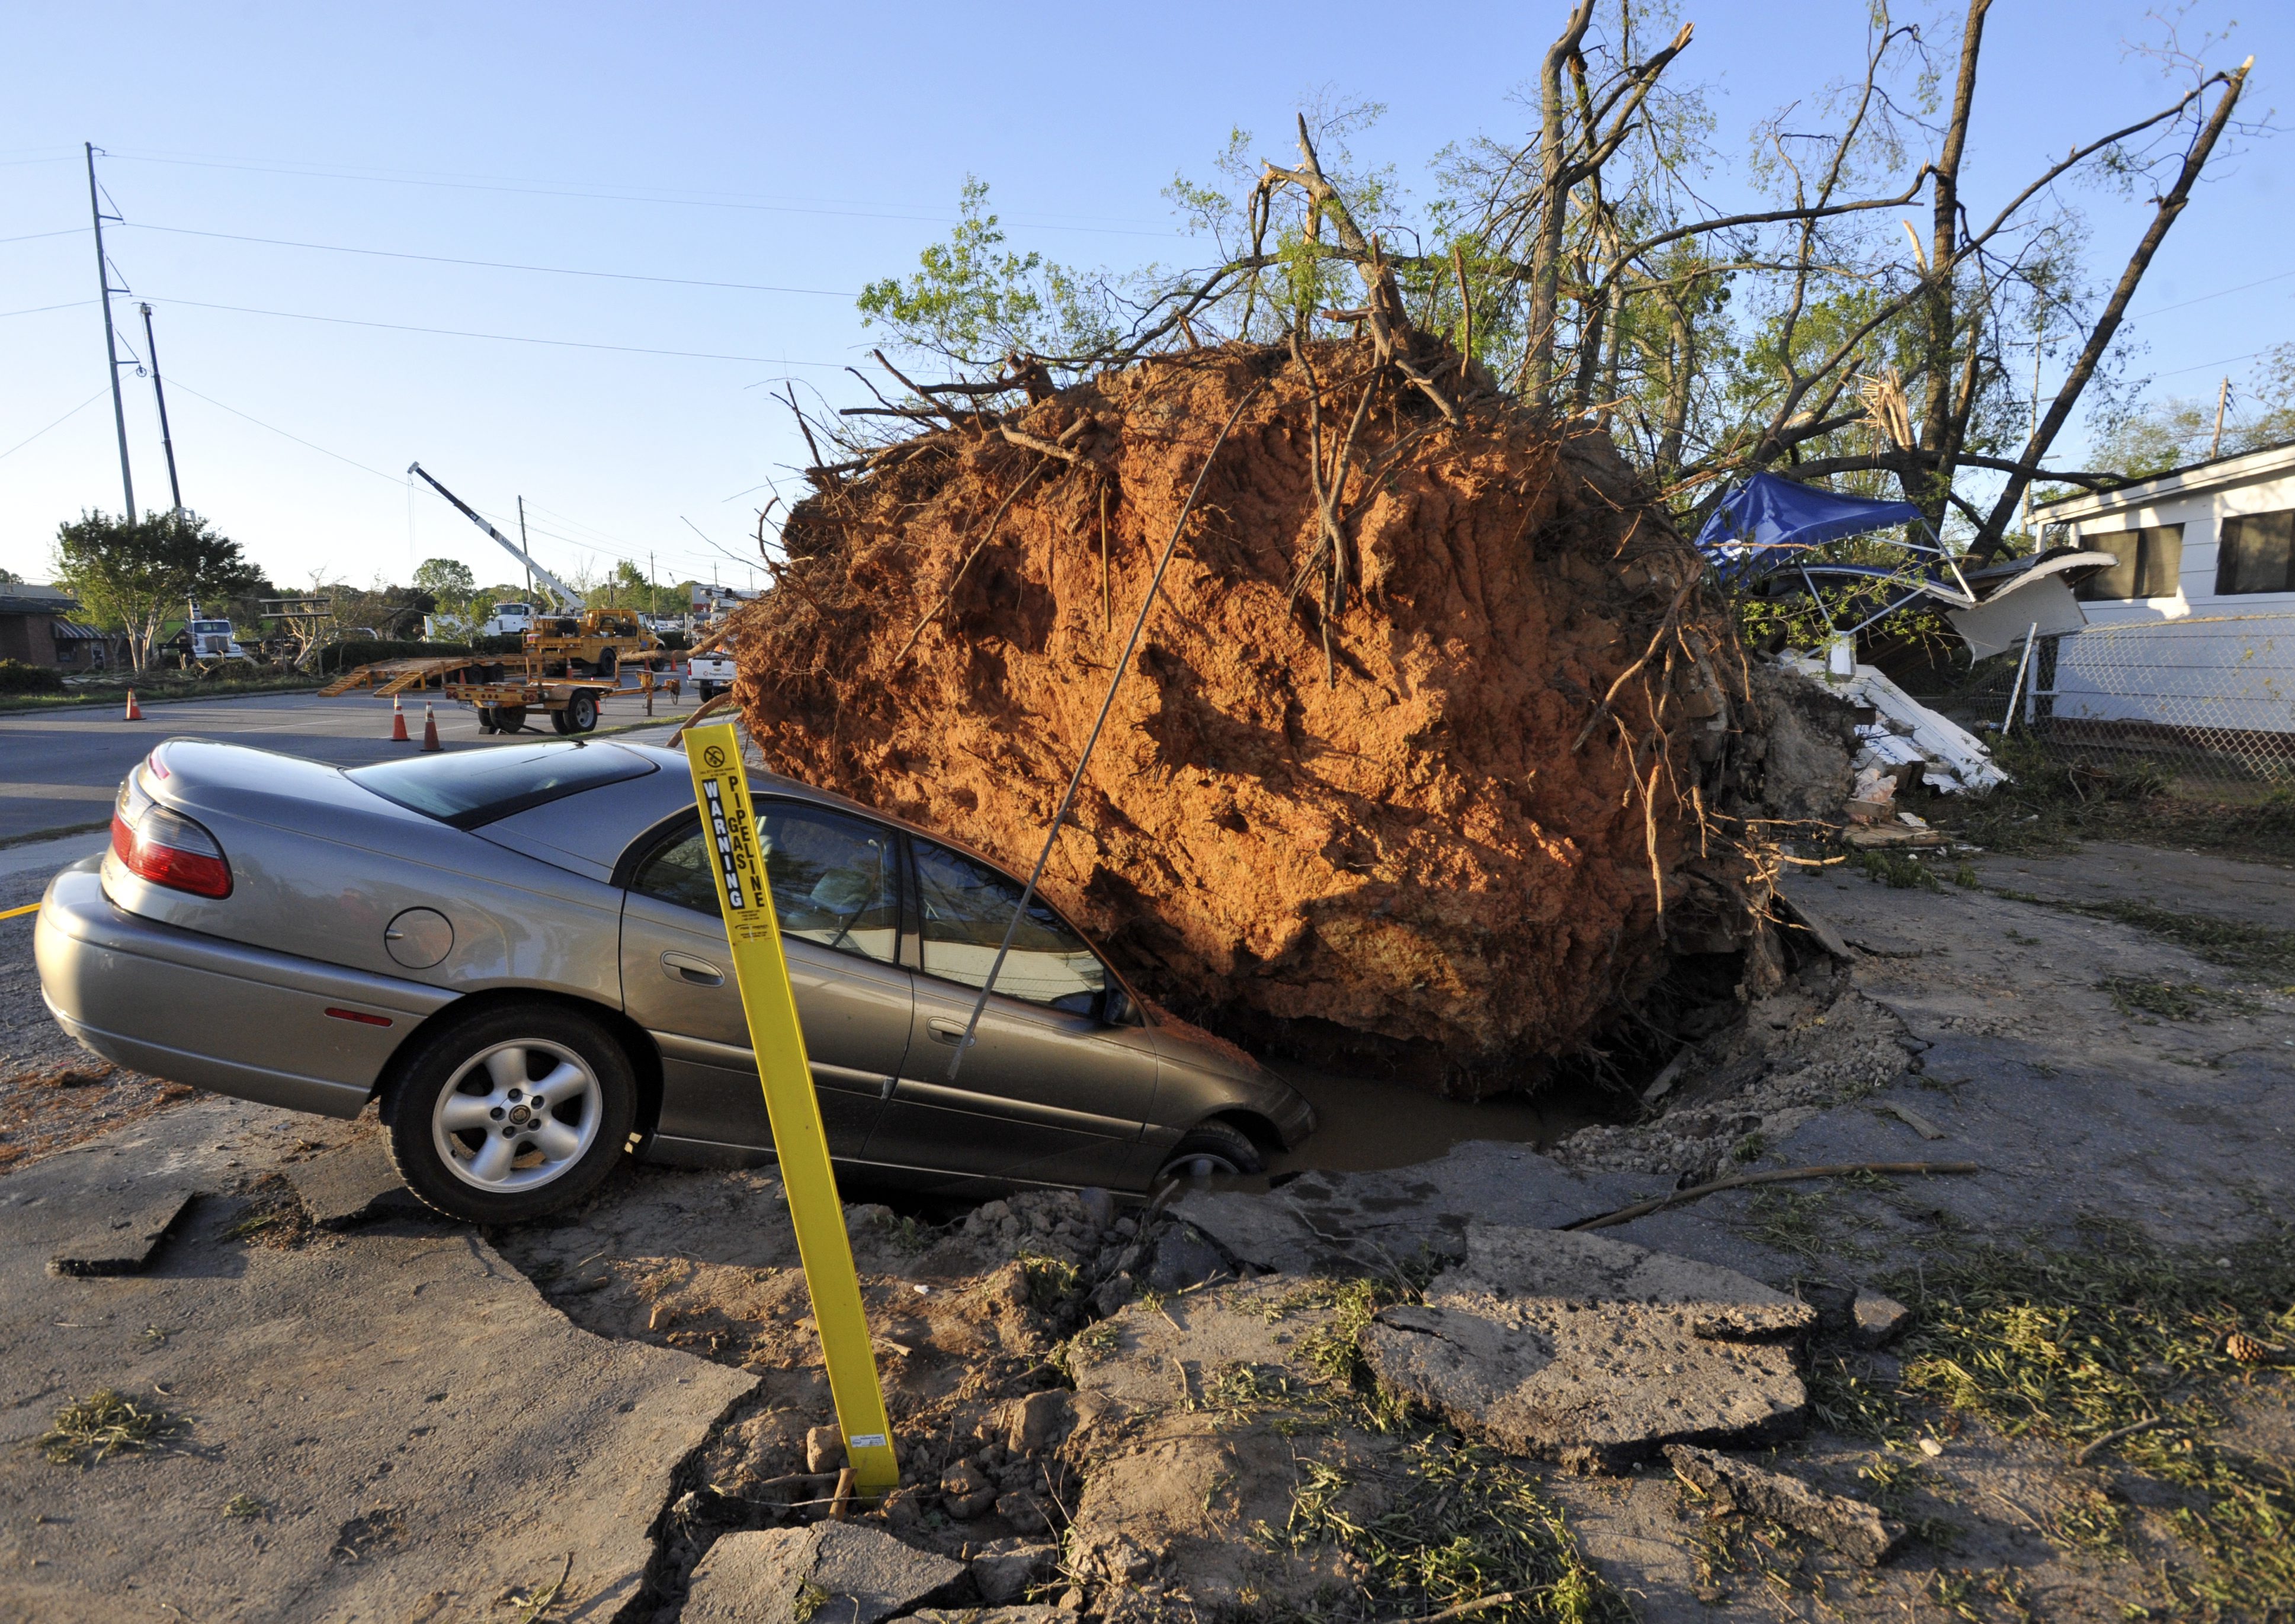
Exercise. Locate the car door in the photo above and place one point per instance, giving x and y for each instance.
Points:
(1049, 1091)
(836, 881)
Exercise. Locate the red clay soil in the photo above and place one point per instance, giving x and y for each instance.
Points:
(1413, 850)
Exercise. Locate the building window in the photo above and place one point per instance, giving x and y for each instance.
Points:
(2150, 559)
(2257, 553)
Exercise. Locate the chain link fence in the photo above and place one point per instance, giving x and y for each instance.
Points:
(2207, 701)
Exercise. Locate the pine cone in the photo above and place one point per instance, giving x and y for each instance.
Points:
(2248, 1351)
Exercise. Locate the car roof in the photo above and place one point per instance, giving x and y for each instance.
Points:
(798, 789)
(610, 817)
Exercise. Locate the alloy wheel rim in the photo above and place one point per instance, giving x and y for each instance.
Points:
(1202, 1165)
(502, 1128)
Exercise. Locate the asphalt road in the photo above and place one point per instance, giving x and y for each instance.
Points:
(58, 769)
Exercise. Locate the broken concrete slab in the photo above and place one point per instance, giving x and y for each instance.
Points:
(1371, 1222)
(1187, 1436)
(382, 1408)
(1876, 1321)
(1847, 1525)
(830, 1570)
(1005, 1569)
(123, 1242)
(352, 1184)
(1593, 1352)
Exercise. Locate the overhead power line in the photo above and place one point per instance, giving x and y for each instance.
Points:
(69, 304)
(490, 265)
(606, 194)
(58, 423)
(299, 439)
(499, 338)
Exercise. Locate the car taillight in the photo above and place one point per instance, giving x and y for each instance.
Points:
(165, 847)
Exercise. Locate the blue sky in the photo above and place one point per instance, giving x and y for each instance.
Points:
(800, 150)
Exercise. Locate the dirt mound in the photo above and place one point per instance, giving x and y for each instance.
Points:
(1454, 803)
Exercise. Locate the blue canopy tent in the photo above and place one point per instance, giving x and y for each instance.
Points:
(1770, 524)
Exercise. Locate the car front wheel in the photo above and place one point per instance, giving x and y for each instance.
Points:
(512, 1113)
(1210, 1150)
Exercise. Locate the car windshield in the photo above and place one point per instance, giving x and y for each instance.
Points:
(468, 788)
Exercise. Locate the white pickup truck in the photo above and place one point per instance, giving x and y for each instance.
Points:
(712, 674)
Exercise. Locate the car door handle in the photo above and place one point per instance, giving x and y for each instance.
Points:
(950, 1032)
(695, 972)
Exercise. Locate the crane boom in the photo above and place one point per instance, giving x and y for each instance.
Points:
(567, 598)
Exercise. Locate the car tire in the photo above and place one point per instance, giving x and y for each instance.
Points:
(580, 711)
(1209, 1149)
(455, 1133)
(608, 663)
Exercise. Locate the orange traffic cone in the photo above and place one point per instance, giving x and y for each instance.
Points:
(134, 711)
(429, 728)
(397, 722)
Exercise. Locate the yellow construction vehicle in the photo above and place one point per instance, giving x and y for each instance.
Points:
(596, 642)
(570, 641)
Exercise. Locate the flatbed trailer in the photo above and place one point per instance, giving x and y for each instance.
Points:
(391, 677)
(573, 704)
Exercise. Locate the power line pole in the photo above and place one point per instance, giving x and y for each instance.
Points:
(522, 547)
(166, 440)
(111, 340)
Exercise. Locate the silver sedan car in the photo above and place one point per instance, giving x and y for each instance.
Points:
(517, 953)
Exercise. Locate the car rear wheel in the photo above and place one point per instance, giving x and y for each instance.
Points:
(512, 1113)
(1210, 1149)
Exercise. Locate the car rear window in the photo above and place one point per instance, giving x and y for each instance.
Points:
(468, 788)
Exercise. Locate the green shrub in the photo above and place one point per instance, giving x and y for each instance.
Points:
(18, 678)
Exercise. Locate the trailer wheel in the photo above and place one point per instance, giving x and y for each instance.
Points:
(558, 720)
(580, 711)
(510, 718)
(486, 722)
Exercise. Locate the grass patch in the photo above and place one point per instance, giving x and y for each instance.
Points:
(245, 1508)
(1898, 871)
(1465, 1524)
(2123, 1348)
(152, 689)
(2233, 943)
(2169, 1000)
(94, 1429)
(1051, 1281)
(1804, 1224)
(2047, 806)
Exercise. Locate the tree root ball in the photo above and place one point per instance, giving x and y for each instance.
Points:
(1413, 828)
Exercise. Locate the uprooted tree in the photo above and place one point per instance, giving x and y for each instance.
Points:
(1440, 742)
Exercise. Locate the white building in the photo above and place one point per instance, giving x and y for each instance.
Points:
(2191, 637)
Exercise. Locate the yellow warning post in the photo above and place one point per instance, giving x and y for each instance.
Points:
(728, 824)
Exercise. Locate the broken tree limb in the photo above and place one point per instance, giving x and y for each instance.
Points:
(2118, 1432)
(1778, 1175)
(2100, 337)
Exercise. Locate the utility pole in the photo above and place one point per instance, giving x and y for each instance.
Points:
(166, 440)
(2215, 446)
(111, 340)
(521, 544)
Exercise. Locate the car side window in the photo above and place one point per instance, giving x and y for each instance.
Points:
(966, 907)
(833, 877)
